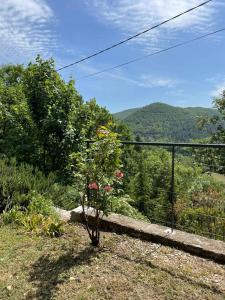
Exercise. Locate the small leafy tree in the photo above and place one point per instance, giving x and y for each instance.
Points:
(99, 178)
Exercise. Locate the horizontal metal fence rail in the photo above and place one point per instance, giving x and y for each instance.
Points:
(184, 145)
(193, 145)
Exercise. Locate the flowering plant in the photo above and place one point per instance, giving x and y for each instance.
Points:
(99, 176)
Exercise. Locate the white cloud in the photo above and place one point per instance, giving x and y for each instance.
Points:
(151, 82)
(132, 16)
(218, 89)
(143, 81)
(24, 30)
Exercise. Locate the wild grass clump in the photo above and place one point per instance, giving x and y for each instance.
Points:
(39, 217)
(26, 198)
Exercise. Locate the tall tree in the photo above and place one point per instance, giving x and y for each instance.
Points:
(15, 121)
(43, 119)
(53, 105)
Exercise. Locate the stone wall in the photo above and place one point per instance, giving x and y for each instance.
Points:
(194, 244)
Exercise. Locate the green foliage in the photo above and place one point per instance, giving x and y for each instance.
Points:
(123, 206)
(98, 175)
(24, 185)
(122, 115)
(15, 121)
(43, 119)
(12, 216)
(40, 205)
(150, 181)
(39, 217)
(52, 105)
(206, 187)
(99, 164)
(159, 121)
(18, 182)
(34, 222)
(203, 221)
(215, 157)
(65, 196)
(201, 209)
(41, 225)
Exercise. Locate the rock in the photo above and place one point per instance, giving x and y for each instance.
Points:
(72, 278)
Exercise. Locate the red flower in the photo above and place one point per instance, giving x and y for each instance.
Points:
(107, 188)
(93, 186)
(119, 174)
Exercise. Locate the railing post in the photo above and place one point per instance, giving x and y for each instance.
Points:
(172, 189)
(88, 179)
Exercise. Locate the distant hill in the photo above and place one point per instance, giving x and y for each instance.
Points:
(159, 121)
(125, 113)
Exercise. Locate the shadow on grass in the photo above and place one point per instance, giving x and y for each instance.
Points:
(47, 272)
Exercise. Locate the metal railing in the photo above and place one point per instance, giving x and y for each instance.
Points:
(170, 207)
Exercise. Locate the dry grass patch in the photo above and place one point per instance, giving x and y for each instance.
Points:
(121, 268)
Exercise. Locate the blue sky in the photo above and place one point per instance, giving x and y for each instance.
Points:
(71, 29)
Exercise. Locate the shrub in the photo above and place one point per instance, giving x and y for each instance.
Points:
(18, 181)
(12, 216)
(66, 197)
(99, 167)
(202, 209)
(35, 222)
(203, 221)
(38, 217)
(38, 204)
(206, 191)
(123, 206)
(41, 225)
(20, 184)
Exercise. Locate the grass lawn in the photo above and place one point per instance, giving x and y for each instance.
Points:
(121, 268)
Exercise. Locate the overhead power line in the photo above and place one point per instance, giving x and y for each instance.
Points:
(153, 53)
(133, 36)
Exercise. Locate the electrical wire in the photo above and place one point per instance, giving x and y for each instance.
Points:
(153, 53)
(133, 36)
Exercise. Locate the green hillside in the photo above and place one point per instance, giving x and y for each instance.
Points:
(159, 121)
(125, 113)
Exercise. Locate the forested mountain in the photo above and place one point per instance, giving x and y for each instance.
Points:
(159, 121)
(125, 113)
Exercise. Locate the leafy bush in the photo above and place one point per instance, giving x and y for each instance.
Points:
(123, 206)
(206, 191)
(40, 205)
(100, 164)
(18, 181)
(12, 216)
(203, 221)
(35, 222)
(26, 195)
(41, 225)
(66, 197)
(202, 209)
(22, 183)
